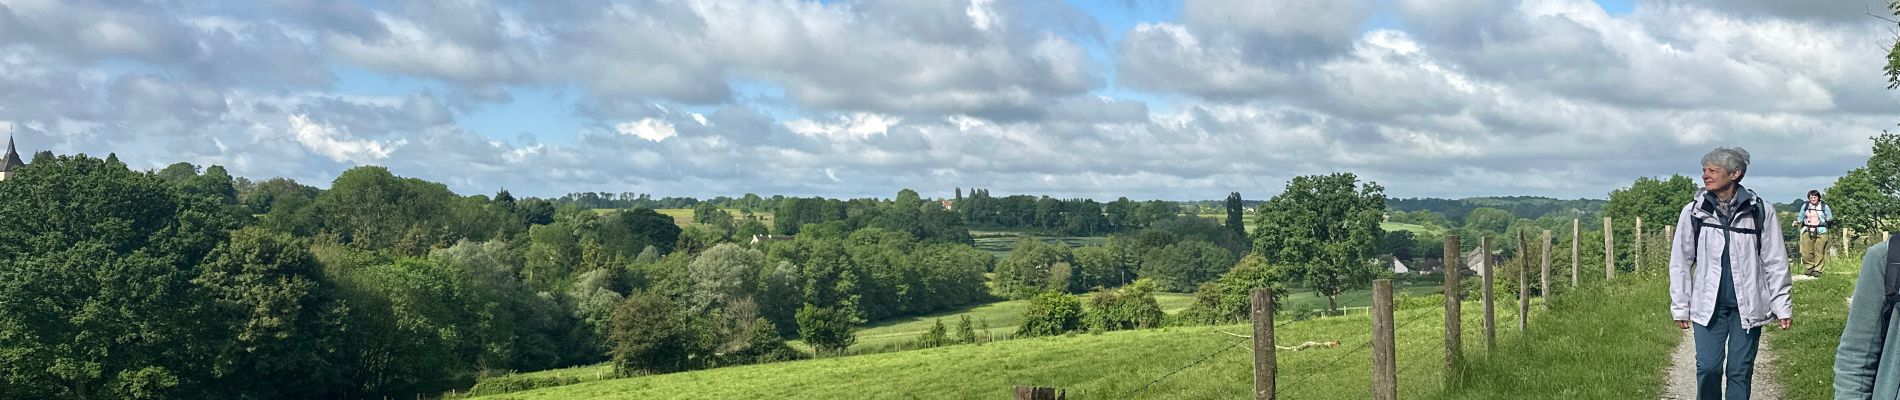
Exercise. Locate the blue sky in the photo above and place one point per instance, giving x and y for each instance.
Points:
(1145, 99)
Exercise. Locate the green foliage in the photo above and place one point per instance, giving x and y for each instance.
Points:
(1488, 220)
(1027, 269)
(96, 269)
(518, 383)
(1230, 298)
(651, 335)
(1182, 266)
(1104, 266)
(966, 331)
(1128, 307)
(829, 330)
(287, 323)
(1051, 313)
(1234, 210)
(936, 336)
(1326, 228)
(709, 214)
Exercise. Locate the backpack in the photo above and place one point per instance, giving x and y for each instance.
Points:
(1892, 285)
(1709, 206)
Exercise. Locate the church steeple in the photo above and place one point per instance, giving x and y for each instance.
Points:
(10, 161)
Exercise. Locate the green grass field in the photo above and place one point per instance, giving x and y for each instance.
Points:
(1414, 228)
(1000, 243)
(1805, 352)
(1604, 341)
(1107, 365)
(1003, 317)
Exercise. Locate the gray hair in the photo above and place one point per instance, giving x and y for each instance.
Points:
(1730, 159)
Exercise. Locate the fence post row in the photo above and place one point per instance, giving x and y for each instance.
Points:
(1385, 367)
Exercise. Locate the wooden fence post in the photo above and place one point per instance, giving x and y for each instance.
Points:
(1523, 281)
(1639, 244)
(1039, 393)
(1490, 315)
(1264, 364)
(1609, 250)
(1454, 303)
(1669, 244)
(1385, 367)
(1544, 287)
(1576, 249)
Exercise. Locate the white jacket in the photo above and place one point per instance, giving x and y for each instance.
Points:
(1759, 270)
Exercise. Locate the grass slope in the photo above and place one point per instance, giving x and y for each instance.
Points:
(1109, 365)
(1604, 341)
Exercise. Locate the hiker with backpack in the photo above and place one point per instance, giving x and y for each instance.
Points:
(1860, 370)
(1728, 275)
(1813, 218)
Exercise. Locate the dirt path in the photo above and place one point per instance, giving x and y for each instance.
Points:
(1681, 381)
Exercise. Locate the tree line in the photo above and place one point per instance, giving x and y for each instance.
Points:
(190, 283)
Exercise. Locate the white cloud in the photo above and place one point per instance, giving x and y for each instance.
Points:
(651, 129)
(851, 126)
(327, 141)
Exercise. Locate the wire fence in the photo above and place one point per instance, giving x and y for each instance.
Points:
(1653, 253)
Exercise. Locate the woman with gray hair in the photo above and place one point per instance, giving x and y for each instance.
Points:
(1728, 275)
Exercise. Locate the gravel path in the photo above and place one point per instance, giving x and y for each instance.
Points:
(1682, 371)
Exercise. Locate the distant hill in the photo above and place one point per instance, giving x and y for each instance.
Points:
(1520, 206)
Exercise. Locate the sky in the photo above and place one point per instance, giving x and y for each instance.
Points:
(1100, 99)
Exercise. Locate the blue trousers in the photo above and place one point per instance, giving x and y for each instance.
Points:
(1724, 334)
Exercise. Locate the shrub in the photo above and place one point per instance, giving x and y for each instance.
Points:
(1129, 307)
(1049, 314)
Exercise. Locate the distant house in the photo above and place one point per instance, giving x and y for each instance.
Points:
(10, 161)
(756, 239)
(1480, 264)
(1398, 267)
(949, 205)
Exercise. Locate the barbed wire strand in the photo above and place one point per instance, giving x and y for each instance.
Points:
(1185, 367)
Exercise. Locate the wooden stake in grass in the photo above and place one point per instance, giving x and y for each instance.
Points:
(1544, 286)
(1523, 283)
(1454, 303)
(1609, 250)
(1490, 315)
(1263, 358)
(1639, 244)
(1576, 249)
(1385, 367)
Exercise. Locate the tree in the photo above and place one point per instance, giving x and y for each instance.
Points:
(96, 269)
(829, 330)
(1051, 313)
(722, 275)
(1128, 307)
(285, 320)
(1230, 298)
(936, 336)
(1656, 201)
(1182, 266)
(1326, 227)
(966, 332)
(1859, 204)
(1026, 270)
(652, 336)
(1234, 209)
(709, 214)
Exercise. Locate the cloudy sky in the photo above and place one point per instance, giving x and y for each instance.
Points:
(1188, 100)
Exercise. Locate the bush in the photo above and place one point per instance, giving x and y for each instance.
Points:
(966, 332)
(828, 330)
(652, 335)
(1129, 307)
(1049, 314)
(1230, 298)
(517, 383)
(936, 336)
